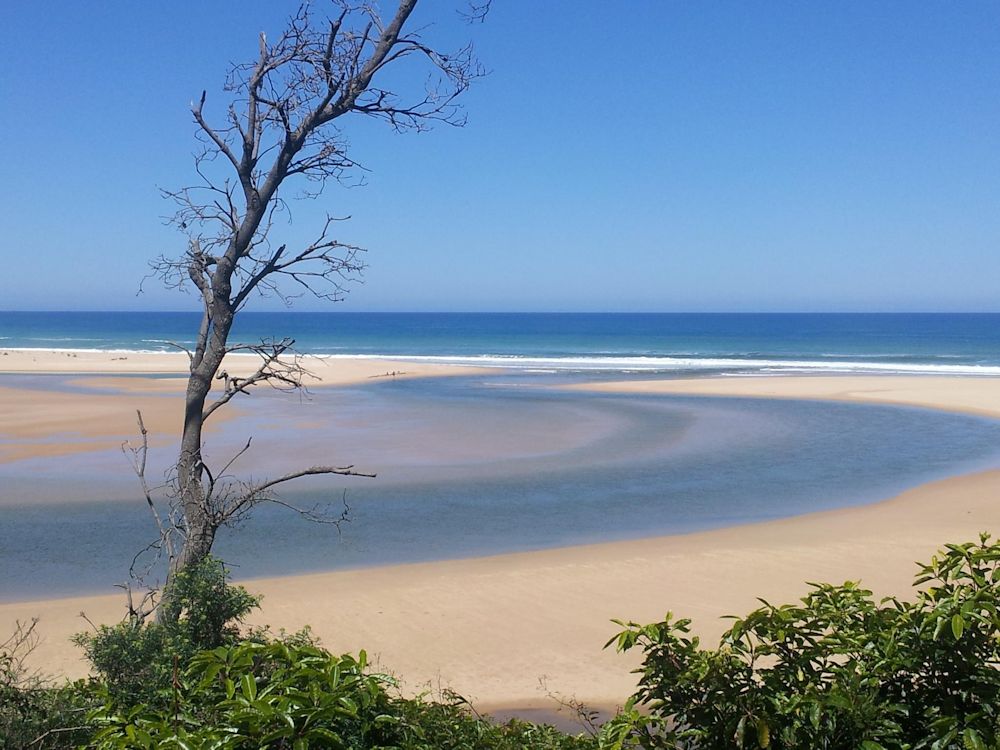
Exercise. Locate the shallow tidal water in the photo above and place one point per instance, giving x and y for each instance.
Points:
(486, 465)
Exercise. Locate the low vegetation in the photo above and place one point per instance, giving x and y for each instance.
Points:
(136, 661)
(837, 670)
(33, 712)
(292, 695)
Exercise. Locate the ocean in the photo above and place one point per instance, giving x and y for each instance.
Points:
(672, 343)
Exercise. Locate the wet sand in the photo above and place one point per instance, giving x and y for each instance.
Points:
(37, 421)
(965, 395)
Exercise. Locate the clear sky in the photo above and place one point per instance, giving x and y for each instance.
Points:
(649, 156)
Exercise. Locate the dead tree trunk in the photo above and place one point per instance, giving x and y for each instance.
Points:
(281, 122)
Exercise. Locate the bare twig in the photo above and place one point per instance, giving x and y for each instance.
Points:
(15, 651)
(55, 732)
(588, 718)
(137, 456)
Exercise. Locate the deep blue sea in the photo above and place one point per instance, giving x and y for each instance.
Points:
(681, 343)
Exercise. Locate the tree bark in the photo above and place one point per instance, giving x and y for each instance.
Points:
(201, 524)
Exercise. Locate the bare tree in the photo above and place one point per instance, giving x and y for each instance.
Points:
(281, 122)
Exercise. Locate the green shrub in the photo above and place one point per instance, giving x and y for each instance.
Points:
(838, 670)
(295, 695)
(137, 661)
(33, 712)
(203, 610)
(452, 726)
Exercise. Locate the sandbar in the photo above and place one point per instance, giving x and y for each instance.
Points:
(38, 421)
(964, 395)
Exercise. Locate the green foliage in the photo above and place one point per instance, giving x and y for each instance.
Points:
(137, 660)
(47, 717)
(296, 695)
(836, 671)
(202, 609)
(450, 726)
(33, 713)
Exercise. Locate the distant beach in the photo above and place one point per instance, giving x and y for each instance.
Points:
(520, 507)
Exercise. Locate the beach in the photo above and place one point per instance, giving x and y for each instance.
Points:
(507, 631)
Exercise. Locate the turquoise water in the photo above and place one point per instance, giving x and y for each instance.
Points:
(669, 343)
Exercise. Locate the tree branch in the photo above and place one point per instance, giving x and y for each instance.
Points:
(219, 141)
(277, 372)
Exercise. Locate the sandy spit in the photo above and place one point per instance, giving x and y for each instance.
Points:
(965, 395)
(507, 630)
(39, 421)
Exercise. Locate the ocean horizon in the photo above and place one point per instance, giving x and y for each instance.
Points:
(664, 343)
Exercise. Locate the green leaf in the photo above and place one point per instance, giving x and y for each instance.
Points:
(763, 733)
(249, 686)
(871, 745)
(938, 628)
(814, 715)
(740, 731)
(957, 626)
(972, 739)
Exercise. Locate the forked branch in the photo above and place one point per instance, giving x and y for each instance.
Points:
(280, 367)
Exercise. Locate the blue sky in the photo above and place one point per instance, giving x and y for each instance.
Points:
(654, 156)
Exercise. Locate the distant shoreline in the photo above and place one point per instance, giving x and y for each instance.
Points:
(329, 370)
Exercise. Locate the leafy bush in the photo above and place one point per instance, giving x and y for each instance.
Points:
(836, 671)
(34, 713)
(202, 609)
(137, 660)
(295, 695)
